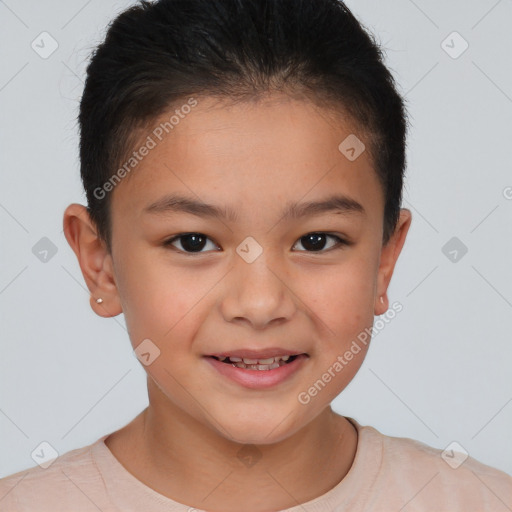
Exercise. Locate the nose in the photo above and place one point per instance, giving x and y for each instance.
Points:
(258, 294)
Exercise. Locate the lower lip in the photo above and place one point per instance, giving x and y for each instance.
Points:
(258, 379)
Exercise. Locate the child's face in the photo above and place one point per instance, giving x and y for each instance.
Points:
(253, 160)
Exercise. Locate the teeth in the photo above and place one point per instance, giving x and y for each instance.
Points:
(250, 361)
(269, 363)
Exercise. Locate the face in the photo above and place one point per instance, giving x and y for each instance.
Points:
(261, 272)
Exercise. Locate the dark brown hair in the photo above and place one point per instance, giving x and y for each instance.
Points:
(158, 54)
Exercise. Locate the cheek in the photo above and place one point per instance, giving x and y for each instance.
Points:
(343, 296)
(157, 299)
(166, 304)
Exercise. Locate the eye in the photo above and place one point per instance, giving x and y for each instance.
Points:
(316, 242)
(190, 242)
(195, 242)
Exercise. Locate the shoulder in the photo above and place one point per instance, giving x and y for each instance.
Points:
(70, 482)
(421, 477)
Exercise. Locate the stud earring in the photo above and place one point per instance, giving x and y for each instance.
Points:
(99, 300)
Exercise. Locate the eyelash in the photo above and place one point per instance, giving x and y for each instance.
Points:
(340, 242)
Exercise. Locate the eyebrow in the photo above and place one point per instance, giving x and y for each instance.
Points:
(175, 203)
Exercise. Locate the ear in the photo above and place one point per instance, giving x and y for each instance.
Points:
(94, 259)
(388, 258)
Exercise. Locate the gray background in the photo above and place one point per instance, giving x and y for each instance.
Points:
(439, 372)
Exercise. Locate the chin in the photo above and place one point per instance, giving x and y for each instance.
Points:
(260, 430)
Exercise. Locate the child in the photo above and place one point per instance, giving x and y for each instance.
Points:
(243, 162)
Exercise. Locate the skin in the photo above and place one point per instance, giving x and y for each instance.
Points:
(254, 158)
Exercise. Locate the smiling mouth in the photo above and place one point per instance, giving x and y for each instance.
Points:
(270, 363)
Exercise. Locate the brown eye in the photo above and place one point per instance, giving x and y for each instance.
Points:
(316, 242)
(189, 242)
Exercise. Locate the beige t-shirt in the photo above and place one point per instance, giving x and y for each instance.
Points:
(389, 474)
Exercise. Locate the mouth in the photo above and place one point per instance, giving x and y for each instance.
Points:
(259, 364)
(263, 369)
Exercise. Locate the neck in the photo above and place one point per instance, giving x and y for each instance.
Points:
(187, 461)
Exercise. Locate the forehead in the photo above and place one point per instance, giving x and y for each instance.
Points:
(250, 155)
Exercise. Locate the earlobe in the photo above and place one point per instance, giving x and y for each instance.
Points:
(94, 259)
(381, 305)
(388, 259)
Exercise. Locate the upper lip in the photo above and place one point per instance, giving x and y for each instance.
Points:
(258, 354)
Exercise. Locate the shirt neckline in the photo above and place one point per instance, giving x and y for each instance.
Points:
(349, 491)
